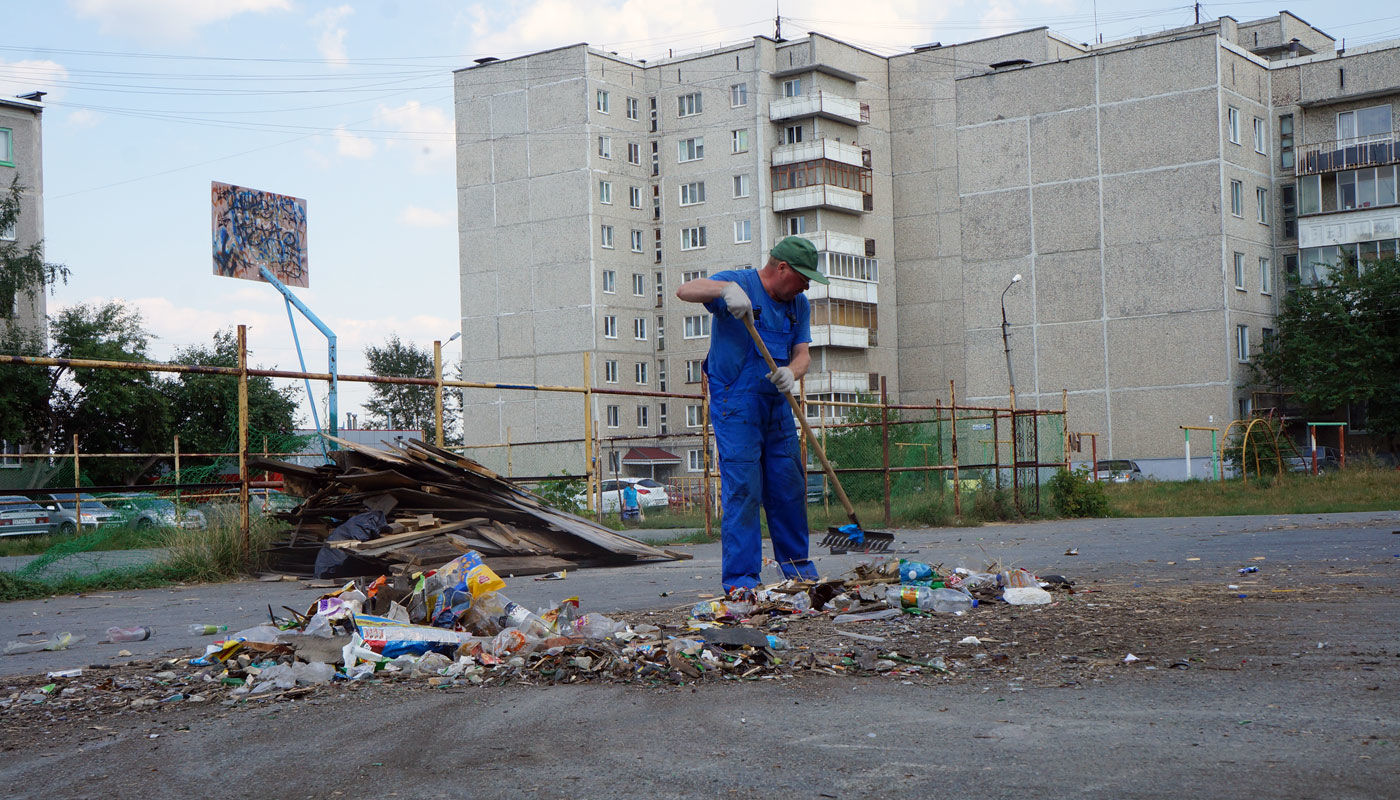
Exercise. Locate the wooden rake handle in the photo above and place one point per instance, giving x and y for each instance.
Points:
(802, 420)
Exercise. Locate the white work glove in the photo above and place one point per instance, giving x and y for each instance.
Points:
(783, 379)
(737, 301)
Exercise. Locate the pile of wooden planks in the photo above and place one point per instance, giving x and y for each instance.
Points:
(438, 505)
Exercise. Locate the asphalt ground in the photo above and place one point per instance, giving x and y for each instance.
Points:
(1311, 710)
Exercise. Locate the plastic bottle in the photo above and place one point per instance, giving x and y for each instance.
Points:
(944, 601)
(139, 633)
(529, 623)
(200, 629)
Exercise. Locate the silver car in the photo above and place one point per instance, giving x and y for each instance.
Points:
(146, 510)
(21, 516)
(63, 508)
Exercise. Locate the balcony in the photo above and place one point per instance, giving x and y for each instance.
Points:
(844, 289)
(840, 336)
(828, 149)
(822, 104)
(830, 241)
(834, 381)
(833, 198)
(1367, 151)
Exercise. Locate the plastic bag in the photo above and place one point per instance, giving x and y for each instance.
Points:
(916, 573)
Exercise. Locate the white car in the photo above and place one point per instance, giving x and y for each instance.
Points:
(145, 510)
(63, 510)
(20, 516)
(650, 494)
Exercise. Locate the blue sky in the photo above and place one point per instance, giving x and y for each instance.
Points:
(349, 106)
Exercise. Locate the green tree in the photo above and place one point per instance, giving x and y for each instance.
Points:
(24, 401)
(1339, 343)
(859, 446)
(22, 267)
(408, 406)
(204, 408)
(111, 411)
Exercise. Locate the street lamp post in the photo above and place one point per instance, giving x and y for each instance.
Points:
(1005, 338)
(437, 394)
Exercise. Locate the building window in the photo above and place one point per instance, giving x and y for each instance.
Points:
(655, 159)
(1266, 335)
(1266, 277)
(1242, 343)
(639, 329)
(641, 373)
(1232, 124)
(694, 370)
(7, 147)
(610, 371)
(1288, 198)
(691, 275)
(1309, 194)
(1363, 123)
(610, 327)
(688, 105)
(8, 451)
(605, 147)
(741, 186)
(738, 95)
(606, 236)
(1366, 188)
(692, 416)
(1246, 408)
(631, 108)
(693, 238)
(10, 232)
(1237, 198)
(614, 461)
(639, 284)
(603, 105)
(743, 231)
(690, 149)
(609, 282)
(796, 226)
(692, 193)
(697, 326)
(1290, 267)
(634, 153)
(1260, 143)
(634, 197)
(636, 241)
(792, 88)
(741, 140)
(605, 192)
(1239, 271)
(792, 134)
(1285, 141)
(1261, 198)
(693, 461)
(614, 416)
(643, 414)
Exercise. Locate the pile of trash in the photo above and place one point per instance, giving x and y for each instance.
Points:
(455, 626)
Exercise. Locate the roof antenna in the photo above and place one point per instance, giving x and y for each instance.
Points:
(777, 21)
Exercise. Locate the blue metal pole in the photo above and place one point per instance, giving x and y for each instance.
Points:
(332, 410)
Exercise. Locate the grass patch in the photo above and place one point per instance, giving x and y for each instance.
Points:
(218, 554)
(106, 538)
(1351, 489)
(16, 587)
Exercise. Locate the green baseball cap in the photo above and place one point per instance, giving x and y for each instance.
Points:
(800, 255)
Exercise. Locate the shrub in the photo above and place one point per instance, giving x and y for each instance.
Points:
(1074, 495)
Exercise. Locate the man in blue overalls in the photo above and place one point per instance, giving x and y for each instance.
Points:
(758, 451)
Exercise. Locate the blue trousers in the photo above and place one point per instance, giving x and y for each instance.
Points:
(759, 462)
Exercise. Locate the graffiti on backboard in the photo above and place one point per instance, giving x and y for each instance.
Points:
(255, 229)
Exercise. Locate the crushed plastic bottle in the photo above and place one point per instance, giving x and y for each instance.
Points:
(201, 629)
(943, 600)
(138, 633)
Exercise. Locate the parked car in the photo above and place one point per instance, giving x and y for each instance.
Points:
(146, 510)
(20, 516)
(63, 508)
(1328, 459)
(816, 488)
(650, 494)
(1118, 470)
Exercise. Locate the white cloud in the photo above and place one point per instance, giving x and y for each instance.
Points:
(331, 40)
(426, 130)
(167, 19)
(83, 118)
(416, 217)
(23, 77)
(351, 146)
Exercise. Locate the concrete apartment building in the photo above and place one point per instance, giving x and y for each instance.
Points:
(1154, 193)
(21, 158)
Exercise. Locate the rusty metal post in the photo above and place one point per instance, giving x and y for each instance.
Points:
(243, 439)
(437, 393)
(176, 451)
(77, 490)
(885, 443)
(705, 454)
(1015, 469)
(588, 428)
(953, 421)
